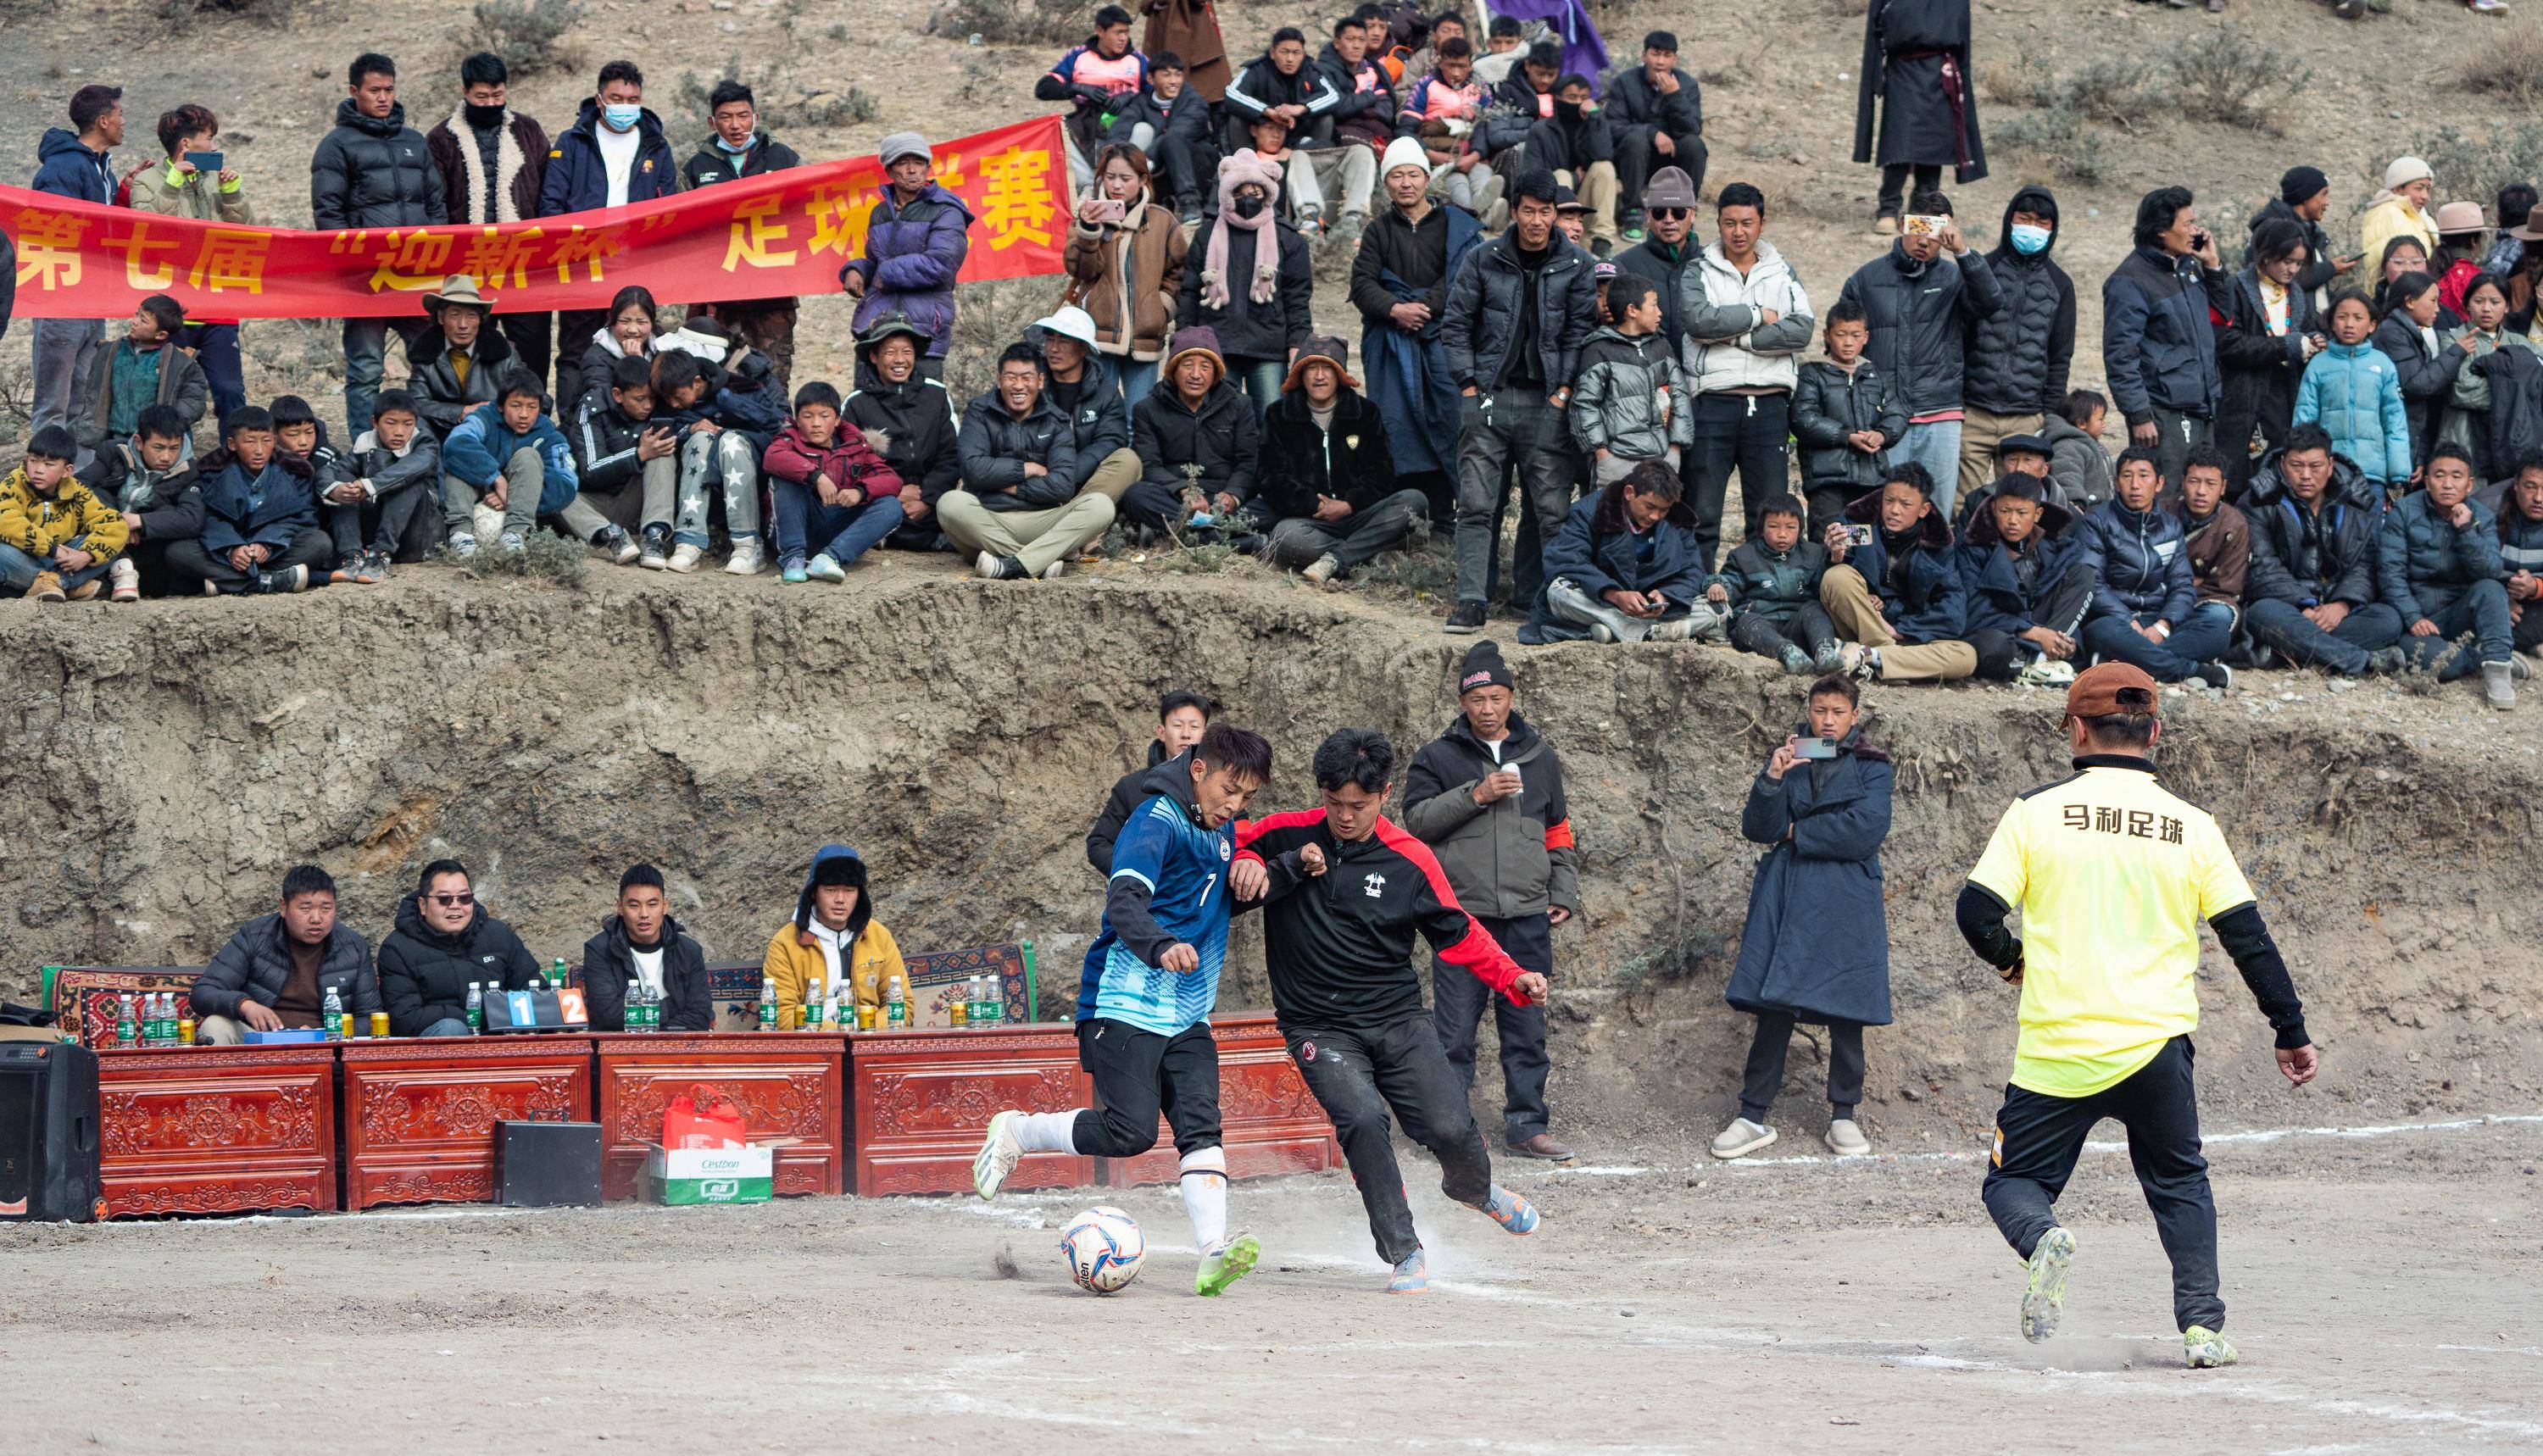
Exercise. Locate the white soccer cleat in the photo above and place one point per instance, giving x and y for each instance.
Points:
(999, 1154)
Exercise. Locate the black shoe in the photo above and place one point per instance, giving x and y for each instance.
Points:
(1465, 618)
(2215, 674)
(656, 554)
(2386, 659)
(991, 568)
(1601, 247)
(284, 581)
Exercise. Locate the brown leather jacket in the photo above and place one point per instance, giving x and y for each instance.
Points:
(1127, 277)
(2220, 555)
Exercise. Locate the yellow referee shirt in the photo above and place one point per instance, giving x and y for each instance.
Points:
(2112, 874)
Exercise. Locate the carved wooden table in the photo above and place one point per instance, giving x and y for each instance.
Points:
(786, 1084)
(1270, 1124)
(919, 1103)
(420, 1113)
(216, 1129)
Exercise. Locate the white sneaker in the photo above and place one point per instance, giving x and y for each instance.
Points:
(1846, 1140)
(124, 578)
(999, 1154)
(822, 569)
(1321, 570)
(2047, 672)
(1742, 1138)
(1052, 572)
(489, 522)
(684, 559)
(745, 559)
(511, 543)
(462, 546)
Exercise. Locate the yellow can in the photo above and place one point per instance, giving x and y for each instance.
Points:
(185, 1031)
(379, 1023)
(347, 1030)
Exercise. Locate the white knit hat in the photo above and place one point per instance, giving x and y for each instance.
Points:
(2406, 171)
(1404, 151)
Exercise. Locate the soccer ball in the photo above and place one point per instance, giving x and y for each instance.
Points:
(1104, 1248)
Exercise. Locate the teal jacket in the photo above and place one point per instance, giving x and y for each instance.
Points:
(2356, 392)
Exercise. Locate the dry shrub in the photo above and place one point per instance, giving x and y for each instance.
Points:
(2226, 78)
(2478, 166)
(2507, 58)
(529, 35)
(2121, 92)
(2058, 138)
(1008, 21)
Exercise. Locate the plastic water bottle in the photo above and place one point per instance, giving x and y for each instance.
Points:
(653, 1008)
(332, 1012)
(767, 1004)
(127, 1031)
(556, 982)
(476, 1006)
(896, 1002)
(631, 1018)
(167, 1019)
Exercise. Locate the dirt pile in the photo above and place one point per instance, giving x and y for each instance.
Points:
(169, 761)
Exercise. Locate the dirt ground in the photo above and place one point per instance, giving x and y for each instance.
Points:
(2381, 1288)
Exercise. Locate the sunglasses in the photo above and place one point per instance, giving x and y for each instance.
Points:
(1669, 214)
(464, 897)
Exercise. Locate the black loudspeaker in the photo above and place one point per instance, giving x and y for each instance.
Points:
(547, 1164)
(48, 1133)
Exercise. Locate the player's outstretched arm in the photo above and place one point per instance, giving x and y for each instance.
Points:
(1982, 918)
(2246, 938)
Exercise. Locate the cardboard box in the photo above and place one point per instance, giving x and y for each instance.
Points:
(728, 1174)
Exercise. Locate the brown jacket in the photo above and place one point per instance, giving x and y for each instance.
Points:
(2220, 555)
(520, 163)
(1127, 278)
(1190, 28)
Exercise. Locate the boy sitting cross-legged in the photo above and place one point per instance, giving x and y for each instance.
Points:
(835, 497)
(57, 540)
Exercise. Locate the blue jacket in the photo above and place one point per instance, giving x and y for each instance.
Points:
(2423, 565)
(578, 180)
(1928, 602)
(1817, 943)
(1996, 599)
(1596, 552)
(2355, 391)
(2158, 344)
(2139, 564)
(66, 169)
(912, 255)
(478, 450)
(268, 508)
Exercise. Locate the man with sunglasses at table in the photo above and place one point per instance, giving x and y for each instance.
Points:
(444, 940)
(1668, 246)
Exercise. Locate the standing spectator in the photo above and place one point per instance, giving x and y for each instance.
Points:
(736, 148)
(1020, 514)
(2508, 250)
(454, 362)
(1399, 282)
(2029, 587)
(182, 190)
(2310, 593)
(908, 420)
(373, 171)
(1629, 403)
(1920, 304)
(260, 531)
(277, 969)
(835, 497)
(1169, 126)
(74, 162)
(1657, 113)
(1669, 246)
(2463, 239)
(2079, 469)
(2018, 357)
(614, 154)
(1817, 944)
(2158, 344)
(493, 161)
(1897, 595)
(1623, 567)
(1578, 145)
(1326, 494)
(1190, 28)
(58, 541)
(1183, 715)
(1363, 122)
(2403, 255)
(2518, 505)
(2400, 209)
(1770, 585)
(444, 943)
(2269, 335)
(2436, 562)
(2215, 536)
(1197, 441)
(145, 367)
(1519, 308)
(1096, 79)
(2304, 195)
(2470, 411)
(2426, 358)
(1917, 78)
(1846, 415)
(2145, 609)
(1126, 264)
(915, 242)
(642, 945)
(1445, 26)
(143, 480)
(2354, 390)
(1487, 797)
(1746, 320)
(1251, 282)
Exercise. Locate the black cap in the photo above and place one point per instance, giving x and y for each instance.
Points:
(1483, 668)
(1660, 40)
(2029, 444)
(2301, 184)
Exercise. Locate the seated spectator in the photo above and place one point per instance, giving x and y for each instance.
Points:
(908, 420)
(1126, 259)
(2436, 562)
(1630, 402)
(2145, 609)
(57, 539)
(457, 359)
(444, 943)
(1656, 112)
(1444, 27)
(1197, 441)
(260, 531)
(2028, 585)
(2215, 536)
(1324, 495)
(835, 497)
(2419, 335)
(1771, 585)
(1362, 124)
(749, 411)
(629, 333)
(2354, 391)
(275, 971)
(299, 434)
(1085, 387)
(383, 494)
(1249, 279)
(1504, 51)
(1626, 567)
(1096, 78)
(2310, 593)
(1296, 191)
(503, 467)
(1167, 128)
(1521, 97)
(1894, 589)
(1280, 85)
(1440, 110)
(144, 367)
(1020, 512)
(2519, 507)
(617, 443)
(2079, 469)
(916, 239)
(643, 946)
(1183, 715)
(674, 533)
(1577, 145)
(833, 937)
(1846, 416)
(180, 188)
(2265, 343)
(145, 480)
(2014, 454)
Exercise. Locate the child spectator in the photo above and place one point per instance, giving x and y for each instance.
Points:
(835, 497)
(298, 432)
(684, 398)
(143, 480)
(1626, 567)
(1898, 594)
(260, 531)
(1846, 415)
(382, 498)
(57, 539)
(2079, 469)
(179, 188)
(833, 936)
(617, 443)
(144, 368)
(2145, 609)
(1772, 584)
(1168, 125)
(2354, 390)
(2028, 585)
(1629, 401)
(502, 468)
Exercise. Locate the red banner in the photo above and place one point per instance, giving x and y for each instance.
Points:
(782, 233)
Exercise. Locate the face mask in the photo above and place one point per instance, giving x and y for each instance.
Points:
(1568, 111)
(1248, 206)
(728, 150)
(2029, 239)
(620, 117)
(484, 119)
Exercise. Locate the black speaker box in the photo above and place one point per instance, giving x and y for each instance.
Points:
(48, 1133)
(547, 1164)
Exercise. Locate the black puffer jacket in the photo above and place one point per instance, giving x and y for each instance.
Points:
(2309, 558)
(2158, 339)
(1248, 330)
(256, 962)
(2321, 265)
(1101, 422)
(605, 444)
(2018, 355)
(996, 445)
(1482, 319)
(2426, 378)
(2515, 424)
(425, 973)
(609, 963)
(1920, 315)
(1828, 405)
(1301, 462)
(910, 425)
(1223, 436)
(374, 171)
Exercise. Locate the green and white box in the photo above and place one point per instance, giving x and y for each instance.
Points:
(728, 1175)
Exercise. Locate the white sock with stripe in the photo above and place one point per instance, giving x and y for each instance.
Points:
(1048, 1132)
(1205, 1190)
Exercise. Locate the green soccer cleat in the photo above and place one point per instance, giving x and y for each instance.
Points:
(2044, 1295)
(2206, 1349)
(1227, 1264)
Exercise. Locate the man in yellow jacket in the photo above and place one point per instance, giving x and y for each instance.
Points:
(833, 933)
(56, 538)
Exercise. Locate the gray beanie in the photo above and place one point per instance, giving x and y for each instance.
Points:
(902, 144)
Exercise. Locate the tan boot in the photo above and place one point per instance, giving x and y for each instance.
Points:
(47, 587)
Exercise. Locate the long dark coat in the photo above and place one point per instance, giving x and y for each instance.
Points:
(1816, 945)
(1904, 46)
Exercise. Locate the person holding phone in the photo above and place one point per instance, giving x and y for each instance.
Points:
(198, 182)
(1817, 944)
(2158, 344)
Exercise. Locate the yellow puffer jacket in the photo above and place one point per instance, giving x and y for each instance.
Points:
(794, 958)
(36, 523)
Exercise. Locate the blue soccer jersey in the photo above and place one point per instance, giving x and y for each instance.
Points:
(1184, 869)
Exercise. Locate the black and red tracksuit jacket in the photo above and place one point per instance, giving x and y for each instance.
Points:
(1340, 945)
